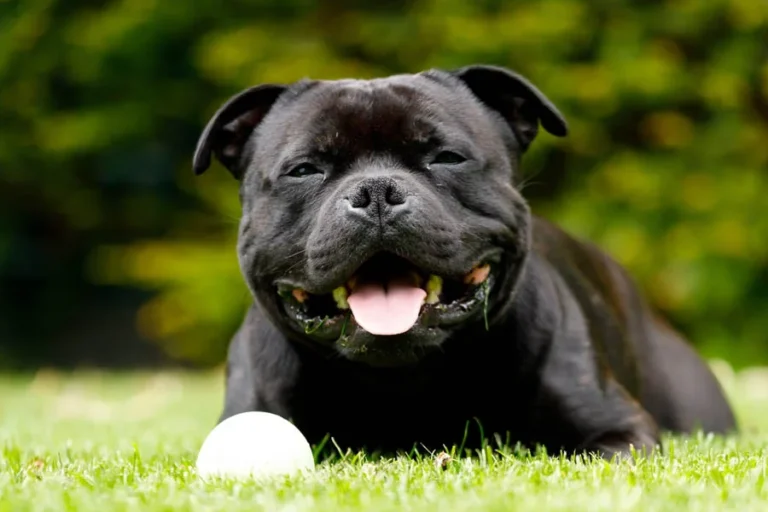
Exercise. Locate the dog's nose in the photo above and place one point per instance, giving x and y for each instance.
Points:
(377, 197)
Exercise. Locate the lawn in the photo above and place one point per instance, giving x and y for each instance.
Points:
(105, 442)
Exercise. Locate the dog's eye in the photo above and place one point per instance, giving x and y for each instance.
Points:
(304, 170)
(448, 157)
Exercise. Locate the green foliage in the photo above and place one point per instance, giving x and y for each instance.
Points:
(665, 165)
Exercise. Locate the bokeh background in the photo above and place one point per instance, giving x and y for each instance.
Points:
(113, 254)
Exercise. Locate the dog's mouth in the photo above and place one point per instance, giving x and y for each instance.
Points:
(388, 296)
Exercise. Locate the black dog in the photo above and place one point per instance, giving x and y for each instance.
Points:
(403, 289)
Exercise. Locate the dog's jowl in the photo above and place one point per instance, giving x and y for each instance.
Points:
(403, 290)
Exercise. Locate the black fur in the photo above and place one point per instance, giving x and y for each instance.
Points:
(572, 358)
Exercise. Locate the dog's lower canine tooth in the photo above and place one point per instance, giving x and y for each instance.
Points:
(340, 296)
(300, 295)
(434, 288)
(478, 274)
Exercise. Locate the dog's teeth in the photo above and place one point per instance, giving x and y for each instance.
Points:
(300, 295)
(434, 288)
(417, 280)
(340, 296)
(478, 274)
(352, 283)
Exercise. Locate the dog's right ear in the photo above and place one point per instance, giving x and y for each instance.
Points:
(229, 128)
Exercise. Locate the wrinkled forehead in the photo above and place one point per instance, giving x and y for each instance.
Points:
(393, 114)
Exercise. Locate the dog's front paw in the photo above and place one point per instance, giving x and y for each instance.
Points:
(619, 446)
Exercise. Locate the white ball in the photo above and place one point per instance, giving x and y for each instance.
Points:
(254, 445)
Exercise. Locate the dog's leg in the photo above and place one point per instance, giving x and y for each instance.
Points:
(577, 403)
(620, 427)
(240, 387)
(619, 444)
(581, 413)
(590, 420)
(261, 369)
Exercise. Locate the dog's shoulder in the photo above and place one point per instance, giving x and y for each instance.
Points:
(613, 306)
(580, 261)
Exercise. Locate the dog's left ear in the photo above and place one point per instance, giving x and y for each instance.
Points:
(521, 104)
(229, 128)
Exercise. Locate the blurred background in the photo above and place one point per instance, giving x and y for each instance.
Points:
(113, 254)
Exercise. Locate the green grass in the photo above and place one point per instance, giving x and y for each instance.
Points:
(93, 442)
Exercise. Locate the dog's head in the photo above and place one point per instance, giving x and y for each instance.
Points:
(380, 216)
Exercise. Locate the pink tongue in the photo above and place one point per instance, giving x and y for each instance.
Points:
(386, 312)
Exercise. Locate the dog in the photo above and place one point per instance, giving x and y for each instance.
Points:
(405, 295)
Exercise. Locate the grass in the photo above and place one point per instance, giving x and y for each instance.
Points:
(96, 442)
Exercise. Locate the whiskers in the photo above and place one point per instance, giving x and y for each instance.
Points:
(225, 219)
(278, 264)
(529, 181)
